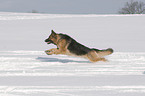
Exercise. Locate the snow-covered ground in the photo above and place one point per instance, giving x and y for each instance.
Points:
(25, 70)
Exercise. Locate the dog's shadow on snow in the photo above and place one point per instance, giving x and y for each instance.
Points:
(47, 59)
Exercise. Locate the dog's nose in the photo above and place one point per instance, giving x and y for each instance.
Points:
(46, 40)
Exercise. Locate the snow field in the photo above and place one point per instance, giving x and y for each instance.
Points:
(32, 73)
(37, 63)
(25, 70)
(76, 90)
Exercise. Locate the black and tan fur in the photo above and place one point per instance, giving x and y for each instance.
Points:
(68, 46)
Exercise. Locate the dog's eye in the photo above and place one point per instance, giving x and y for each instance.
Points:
(54, 36)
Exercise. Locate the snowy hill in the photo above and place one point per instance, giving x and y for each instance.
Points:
(25, 70)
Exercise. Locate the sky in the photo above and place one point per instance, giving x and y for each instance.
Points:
(64, 6)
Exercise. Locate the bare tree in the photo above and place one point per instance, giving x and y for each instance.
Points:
(133, 7)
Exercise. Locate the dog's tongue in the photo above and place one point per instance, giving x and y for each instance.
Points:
(48, 42)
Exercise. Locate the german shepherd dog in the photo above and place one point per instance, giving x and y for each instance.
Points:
(68, 46)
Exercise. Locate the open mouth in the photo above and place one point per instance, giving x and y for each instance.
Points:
(48, 41)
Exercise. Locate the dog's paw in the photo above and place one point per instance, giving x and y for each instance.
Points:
(48, 52)
(51, 51)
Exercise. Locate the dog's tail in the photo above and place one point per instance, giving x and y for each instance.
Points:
(105, 52)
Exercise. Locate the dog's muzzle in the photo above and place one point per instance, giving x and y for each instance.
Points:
(48, 41)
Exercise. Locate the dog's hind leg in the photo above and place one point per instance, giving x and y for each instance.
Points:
(93, 57)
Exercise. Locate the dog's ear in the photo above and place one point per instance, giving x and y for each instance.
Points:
(52, 32)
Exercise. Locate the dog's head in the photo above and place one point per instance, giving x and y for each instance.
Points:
(52, 38)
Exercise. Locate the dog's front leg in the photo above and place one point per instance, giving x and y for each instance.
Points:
(52, 51)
